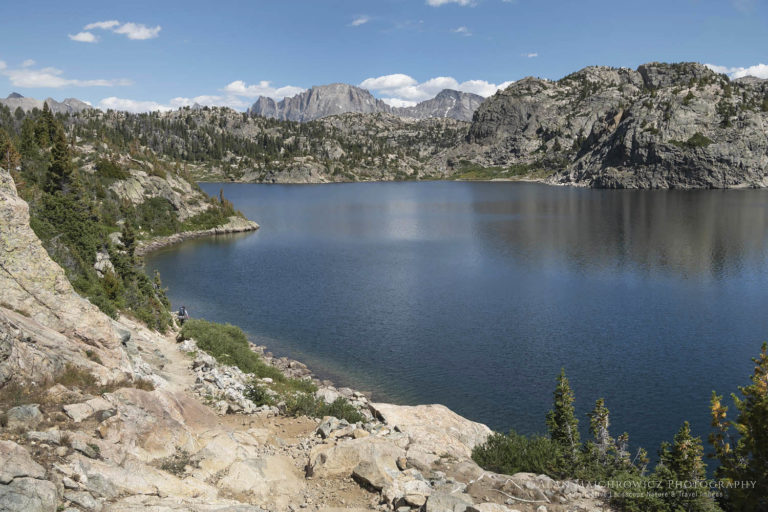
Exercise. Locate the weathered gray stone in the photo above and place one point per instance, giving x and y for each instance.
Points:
(443, 502)
(28, 495)
(83, 499)
(24, 416)
(15, 462)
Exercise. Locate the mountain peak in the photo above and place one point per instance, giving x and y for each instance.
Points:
(339, 98)
(14, 95)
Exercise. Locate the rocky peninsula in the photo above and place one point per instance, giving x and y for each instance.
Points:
(106, 414)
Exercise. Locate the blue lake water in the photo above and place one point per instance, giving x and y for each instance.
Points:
(474, 295)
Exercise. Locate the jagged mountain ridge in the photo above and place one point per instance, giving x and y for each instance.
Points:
(67, 106)
(333, 99)
(660, 126)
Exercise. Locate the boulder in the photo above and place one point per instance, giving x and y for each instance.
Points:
(272, 479)
(371, 460)
(445, 502)
(82, 411)
(28, 495)
(24, 416)
(434, 429)
(15, 462)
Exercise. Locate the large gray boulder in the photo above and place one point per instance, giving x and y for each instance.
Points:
(22, 484)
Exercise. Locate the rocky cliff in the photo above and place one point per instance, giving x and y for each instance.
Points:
(106, 415)
(448, 103)
(327, 100)
(320, 101)
(660, 126)
(67, 106)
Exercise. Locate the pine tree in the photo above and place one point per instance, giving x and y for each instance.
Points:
(128, 236)
(744, 458)
(561, 420)
(60, 173)
(9, 157)
(598, 425)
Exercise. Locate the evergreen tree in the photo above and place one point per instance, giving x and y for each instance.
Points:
(744, 458)
(60, 173)
(561, 421)
(598, 425)
(9, 157)
(128, 236)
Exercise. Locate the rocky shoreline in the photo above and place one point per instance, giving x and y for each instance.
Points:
(235, 225)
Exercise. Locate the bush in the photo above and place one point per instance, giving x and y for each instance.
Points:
(514, 453)
(258, 394)
(228, 345)
(111, 169)
(305, 404)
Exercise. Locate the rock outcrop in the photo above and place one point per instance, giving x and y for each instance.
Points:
(67, 106)
(660, 126)
(320, 101)
(327, 100)
(448, 103)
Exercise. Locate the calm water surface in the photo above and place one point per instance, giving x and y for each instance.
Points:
(474, 295)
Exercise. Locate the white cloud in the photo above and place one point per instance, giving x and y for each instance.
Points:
(438, 3)
(399, 89)
(134, 106)
(531, 55)
(263, 88)
(2, 65)
(103, 25)
(132, 30)
(394, 81)
(462, 30)
(360, 20)
(27, 63)
(758, 70)
(138, 31)
(83, 37)
(397, 102)
(52, 77)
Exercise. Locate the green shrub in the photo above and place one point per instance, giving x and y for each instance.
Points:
(111, 169)
(305, 404)
(697, 140)
(257, 393)
(514, 453)
(229, 345)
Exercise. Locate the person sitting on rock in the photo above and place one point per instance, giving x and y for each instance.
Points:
(183, 315)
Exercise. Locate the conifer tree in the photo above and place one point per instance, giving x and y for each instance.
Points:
(561, 420)
(60, 173)
(598, 425)
(744, 458)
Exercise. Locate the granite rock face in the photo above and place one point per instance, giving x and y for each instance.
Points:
(67, 106)
(320, 101)
(448, 103)
(660, 126)
(327, 100)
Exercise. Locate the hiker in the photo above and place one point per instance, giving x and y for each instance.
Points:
(183, 315)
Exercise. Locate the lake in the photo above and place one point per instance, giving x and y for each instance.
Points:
(474, 295)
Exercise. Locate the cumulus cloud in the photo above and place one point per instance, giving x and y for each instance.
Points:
(27, 63)
(263, 88)
(137, 31)
(103, 25)
(438, 3)
(83, 37)
(464, 31)
(134, 106)
(757, 70)
(403, 90)
(26, 76)
(360, 20)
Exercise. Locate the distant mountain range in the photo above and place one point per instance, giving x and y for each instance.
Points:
(327, 100)
(69, 105)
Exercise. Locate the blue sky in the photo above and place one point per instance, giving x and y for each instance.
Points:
(143, 55)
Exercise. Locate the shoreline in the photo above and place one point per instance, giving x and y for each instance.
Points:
(235, 225)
